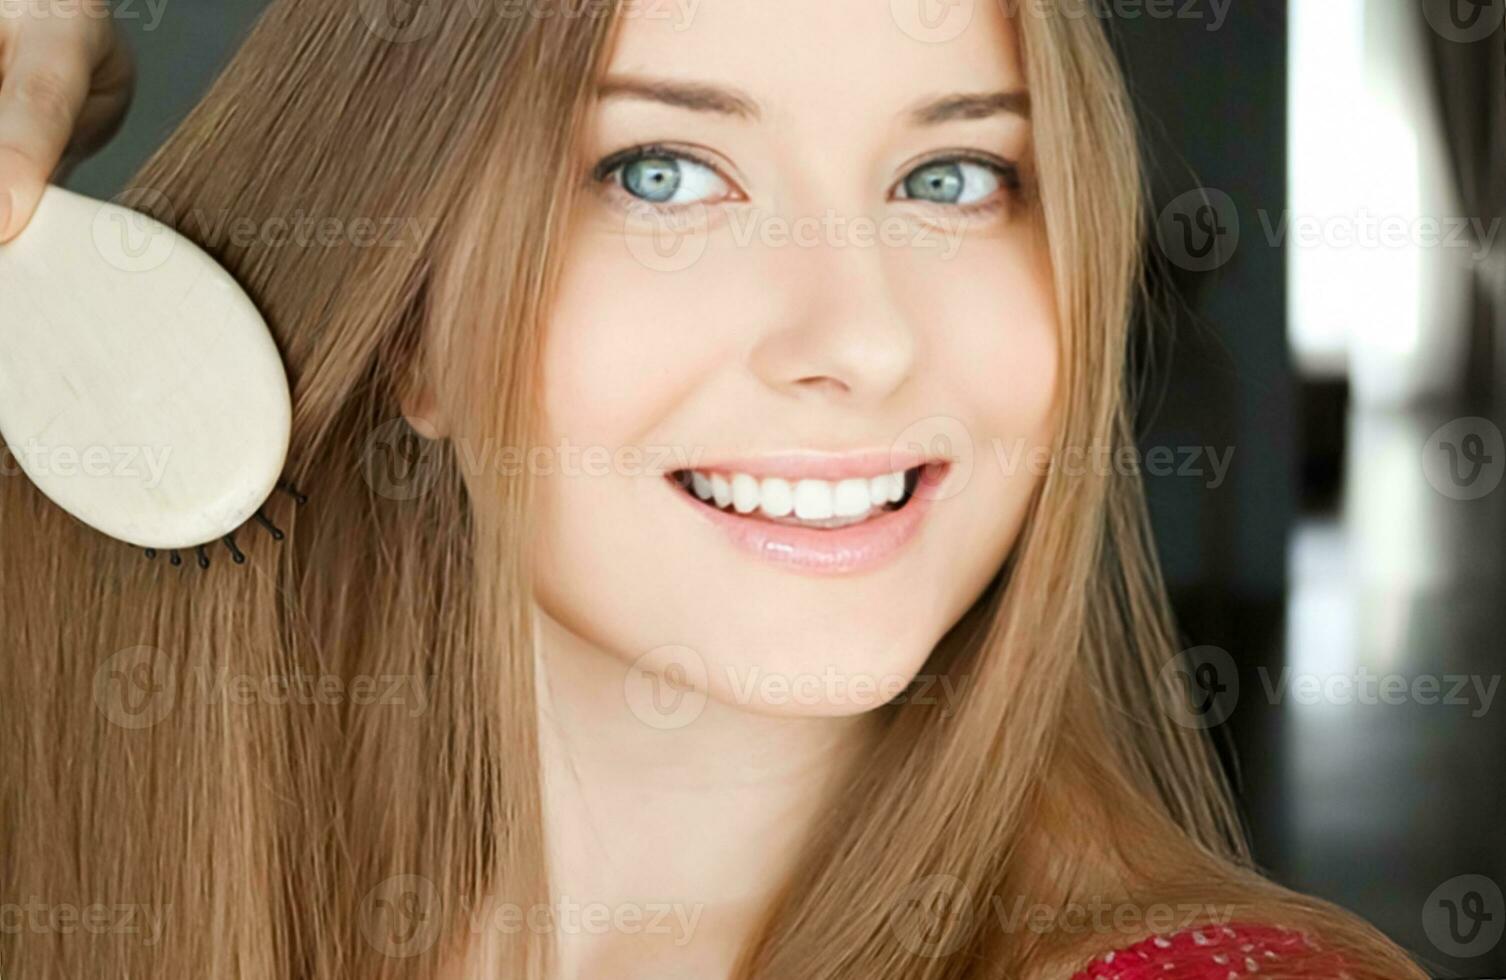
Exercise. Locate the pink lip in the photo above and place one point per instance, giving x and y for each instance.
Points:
(838, 551)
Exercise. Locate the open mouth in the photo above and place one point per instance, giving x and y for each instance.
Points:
(808, 503)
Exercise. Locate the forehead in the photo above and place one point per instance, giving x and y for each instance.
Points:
(838, 59)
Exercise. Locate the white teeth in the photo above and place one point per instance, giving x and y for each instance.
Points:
(813, 500)
(721, 490)
(775, 497)
(807, 500)
(850, 499)
(886, 489)
(744, 493)
(896, 487)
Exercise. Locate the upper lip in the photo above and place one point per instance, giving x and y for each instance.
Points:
(820, 465)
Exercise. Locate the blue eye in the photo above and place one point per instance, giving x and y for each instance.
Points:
(956, 182)
(652, 178)
(659, 177)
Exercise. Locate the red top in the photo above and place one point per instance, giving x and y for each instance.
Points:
(1214, 953)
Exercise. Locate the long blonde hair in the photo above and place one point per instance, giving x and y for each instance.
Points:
(269, 834)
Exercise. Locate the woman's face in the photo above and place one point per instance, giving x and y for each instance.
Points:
(803, 267)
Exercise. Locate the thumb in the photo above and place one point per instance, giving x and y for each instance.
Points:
(21, 188)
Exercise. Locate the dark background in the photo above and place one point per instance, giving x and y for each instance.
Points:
(1325, 549)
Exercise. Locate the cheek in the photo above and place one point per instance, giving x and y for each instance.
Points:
(611, 366)
(992, 366)
(631, 341)
(626, 346)
(992, 345)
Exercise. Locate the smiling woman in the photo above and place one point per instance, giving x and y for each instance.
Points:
(819, 692)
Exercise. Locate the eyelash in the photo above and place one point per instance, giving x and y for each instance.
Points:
(1008, 174)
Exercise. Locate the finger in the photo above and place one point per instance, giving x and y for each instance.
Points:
(40, 98)
(111, 90)
(98, 122)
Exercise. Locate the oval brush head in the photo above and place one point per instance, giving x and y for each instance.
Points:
(140, 389)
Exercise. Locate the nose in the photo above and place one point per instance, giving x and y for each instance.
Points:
(840, 332)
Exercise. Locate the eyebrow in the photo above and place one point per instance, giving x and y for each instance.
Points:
(706, 97)
(695, 96)
(971, 106)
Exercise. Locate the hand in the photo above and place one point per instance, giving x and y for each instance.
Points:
(66, 79)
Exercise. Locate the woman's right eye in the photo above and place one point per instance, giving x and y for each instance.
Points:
(662, 178)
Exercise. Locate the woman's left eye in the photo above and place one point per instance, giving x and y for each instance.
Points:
(665, 179)
(957, 182)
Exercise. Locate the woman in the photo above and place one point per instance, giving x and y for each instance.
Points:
(702, 708)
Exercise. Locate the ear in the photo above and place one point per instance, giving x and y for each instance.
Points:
(420, 408)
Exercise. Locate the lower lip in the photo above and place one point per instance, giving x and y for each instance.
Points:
(836, 551)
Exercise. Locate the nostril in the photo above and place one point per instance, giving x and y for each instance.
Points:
(825, 383)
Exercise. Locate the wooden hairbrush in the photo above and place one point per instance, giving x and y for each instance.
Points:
(140, 389)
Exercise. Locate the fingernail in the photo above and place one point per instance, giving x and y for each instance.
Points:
(5, 213)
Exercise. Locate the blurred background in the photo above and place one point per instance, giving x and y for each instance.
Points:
(1324, 381)
(1330, 189)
